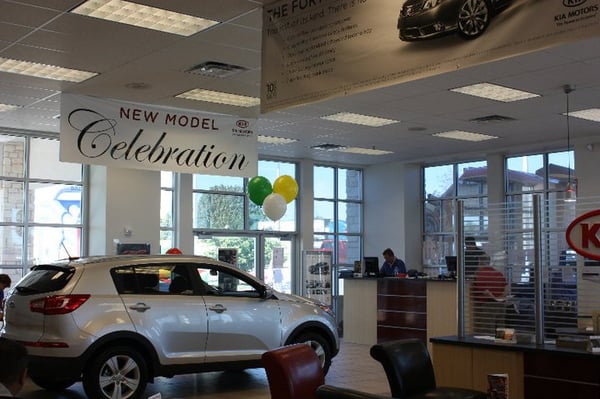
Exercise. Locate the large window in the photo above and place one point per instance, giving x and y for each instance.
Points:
(41, 203)
(224, 217)
(443, 186)
(545, 175)
(338, 209)
(221, 203)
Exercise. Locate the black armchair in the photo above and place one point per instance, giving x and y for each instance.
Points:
(409, 371)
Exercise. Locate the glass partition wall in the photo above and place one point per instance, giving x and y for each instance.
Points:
(528, 278)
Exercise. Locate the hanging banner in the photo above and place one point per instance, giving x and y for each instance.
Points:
(139, 136)
(317, 49)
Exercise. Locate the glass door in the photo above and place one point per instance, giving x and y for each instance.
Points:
(246, 259)
(278, 258)
(270, 257)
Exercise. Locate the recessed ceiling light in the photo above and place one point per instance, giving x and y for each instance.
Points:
(275, 140)
(466, 136)
(216, 69)
(358, 119)
(327, 147)
(364, 151)
(495, 92)
(220, 98)
(7, 107)
(592, 114)
(43, 70)
(143, 16)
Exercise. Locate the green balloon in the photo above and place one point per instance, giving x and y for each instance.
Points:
(259, 188)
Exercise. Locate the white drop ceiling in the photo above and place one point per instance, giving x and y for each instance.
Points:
(146, 66)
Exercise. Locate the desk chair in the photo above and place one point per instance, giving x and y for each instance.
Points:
(293, 372)
(409, 371)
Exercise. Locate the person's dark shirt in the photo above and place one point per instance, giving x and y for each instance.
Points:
(391, 269)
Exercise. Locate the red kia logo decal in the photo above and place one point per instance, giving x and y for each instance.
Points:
(582, 235)
(242, 124)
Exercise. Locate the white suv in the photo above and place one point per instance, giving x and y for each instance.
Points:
(116, 322)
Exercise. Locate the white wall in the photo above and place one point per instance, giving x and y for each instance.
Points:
(393, 212)
(120, 199)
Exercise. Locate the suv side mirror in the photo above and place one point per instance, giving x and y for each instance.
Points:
(267, 292)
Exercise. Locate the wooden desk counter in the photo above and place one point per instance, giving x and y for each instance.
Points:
(535, 372)
(383, 309)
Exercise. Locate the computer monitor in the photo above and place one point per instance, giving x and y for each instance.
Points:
(451, 265)
(371, 266)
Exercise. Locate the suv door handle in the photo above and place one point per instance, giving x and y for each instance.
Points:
(218, 308)
(140, 307)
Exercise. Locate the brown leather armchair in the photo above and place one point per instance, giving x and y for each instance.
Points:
(409, 371)
(293, 372)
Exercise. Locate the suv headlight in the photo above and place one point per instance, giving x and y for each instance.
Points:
(326, 309)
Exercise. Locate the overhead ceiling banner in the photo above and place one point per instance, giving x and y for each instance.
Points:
(129, 135)
(317, 49)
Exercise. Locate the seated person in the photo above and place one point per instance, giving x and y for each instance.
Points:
(392, 265)
(488, 293)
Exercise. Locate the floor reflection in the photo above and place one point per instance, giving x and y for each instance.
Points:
(352, 368)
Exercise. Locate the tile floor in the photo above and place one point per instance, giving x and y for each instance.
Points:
(352, 368)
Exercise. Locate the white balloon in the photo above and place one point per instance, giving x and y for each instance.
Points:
(274, 206)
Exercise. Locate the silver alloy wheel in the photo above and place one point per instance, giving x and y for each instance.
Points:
(319, 350)
(119, 377)
(473, 18)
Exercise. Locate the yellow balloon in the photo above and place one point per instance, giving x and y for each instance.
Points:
(287, 187)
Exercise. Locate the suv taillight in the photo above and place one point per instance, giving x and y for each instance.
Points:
(57, 304)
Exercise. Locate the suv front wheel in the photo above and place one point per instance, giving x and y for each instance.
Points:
(319, 345)
(118, 372)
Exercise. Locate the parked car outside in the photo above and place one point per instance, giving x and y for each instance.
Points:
(327, 246)
(425, 19)
(116, 322)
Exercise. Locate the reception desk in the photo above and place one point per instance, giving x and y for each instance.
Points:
(383, 309)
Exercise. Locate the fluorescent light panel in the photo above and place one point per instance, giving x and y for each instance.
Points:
(494, 92)
(466, 136)
(592, 114)
(364, 151)
(358, 119)
(43, 70)
(219, 98)
(7, 107)
(275, 140)
(143, 16)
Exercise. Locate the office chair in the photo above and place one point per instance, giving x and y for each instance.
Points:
(293, 372)
(409, 371)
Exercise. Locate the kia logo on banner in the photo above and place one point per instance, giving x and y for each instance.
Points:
(573, 3)
(582, 235)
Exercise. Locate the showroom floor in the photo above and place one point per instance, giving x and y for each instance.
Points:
(352, 368)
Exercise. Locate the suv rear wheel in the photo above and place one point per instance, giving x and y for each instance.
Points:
(118, 372)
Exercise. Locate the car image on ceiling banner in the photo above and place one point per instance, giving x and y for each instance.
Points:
(318, 49)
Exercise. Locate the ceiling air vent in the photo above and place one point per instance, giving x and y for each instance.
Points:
(492, 119)
(216, 69)
(327, 147)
